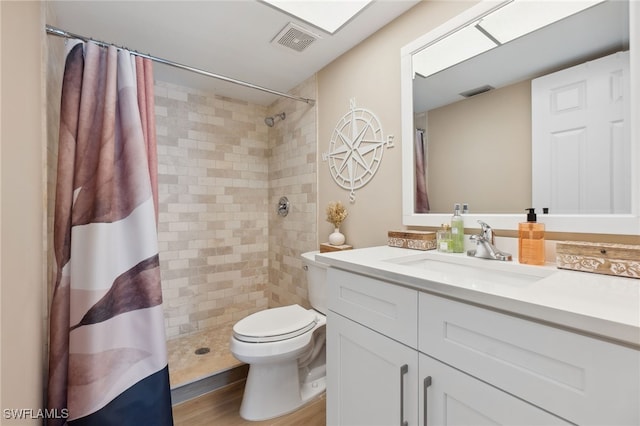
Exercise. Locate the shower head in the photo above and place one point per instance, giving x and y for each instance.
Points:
(270, 121)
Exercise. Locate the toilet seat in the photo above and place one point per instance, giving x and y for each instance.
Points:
(276, 324)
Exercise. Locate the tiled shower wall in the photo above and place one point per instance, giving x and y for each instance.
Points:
(292, 173)
(213, 183)
(223, 250)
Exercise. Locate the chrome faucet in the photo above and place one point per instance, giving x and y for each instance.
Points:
(485, 247)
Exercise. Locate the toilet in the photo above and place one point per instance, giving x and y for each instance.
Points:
(285, 350)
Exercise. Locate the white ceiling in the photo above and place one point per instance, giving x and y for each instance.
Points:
(595, 32)
(230, 38)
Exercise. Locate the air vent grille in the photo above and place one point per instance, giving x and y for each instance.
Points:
(294, 37)
(476, 91)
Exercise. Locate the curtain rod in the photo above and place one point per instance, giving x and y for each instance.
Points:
(66, 34)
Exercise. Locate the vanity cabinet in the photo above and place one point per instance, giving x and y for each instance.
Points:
(575, 377)
(373, 380)
(394, 353)
(372, 377)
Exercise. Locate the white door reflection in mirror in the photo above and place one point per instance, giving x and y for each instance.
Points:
(580, 138)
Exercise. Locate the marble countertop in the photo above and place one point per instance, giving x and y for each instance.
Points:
(602, 306)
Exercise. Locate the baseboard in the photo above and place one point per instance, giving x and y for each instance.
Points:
(207, 384)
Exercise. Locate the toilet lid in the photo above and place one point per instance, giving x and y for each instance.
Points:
(275, 324)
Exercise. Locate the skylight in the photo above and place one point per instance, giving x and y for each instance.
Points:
(522, 17)
(328, 15)
(512, 20)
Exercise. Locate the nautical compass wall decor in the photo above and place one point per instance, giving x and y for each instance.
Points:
(356, 148)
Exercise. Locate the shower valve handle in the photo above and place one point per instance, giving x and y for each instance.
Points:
(283, 206)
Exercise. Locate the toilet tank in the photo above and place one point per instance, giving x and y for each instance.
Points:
(316, 280)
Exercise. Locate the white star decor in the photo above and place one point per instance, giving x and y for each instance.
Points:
(356, 148)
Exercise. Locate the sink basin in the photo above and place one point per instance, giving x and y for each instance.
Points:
(472, 272)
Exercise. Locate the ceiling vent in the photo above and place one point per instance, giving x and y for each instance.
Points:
(294, 37)
(477, 91)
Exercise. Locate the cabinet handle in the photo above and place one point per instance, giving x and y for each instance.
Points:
(427, 383)
(403, 370)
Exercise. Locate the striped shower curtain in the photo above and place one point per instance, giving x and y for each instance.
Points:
(421, 197)
(107, 356)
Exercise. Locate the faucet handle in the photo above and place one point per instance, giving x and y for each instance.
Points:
(487, 232)
(477, 238)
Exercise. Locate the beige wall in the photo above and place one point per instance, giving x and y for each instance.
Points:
(22, 209)
(480, 152)
(370, 73)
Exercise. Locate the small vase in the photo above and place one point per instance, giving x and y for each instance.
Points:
(336, 239)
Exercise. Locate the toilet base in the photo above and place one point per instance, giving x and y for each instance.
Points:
(310, 390)
(261, 401)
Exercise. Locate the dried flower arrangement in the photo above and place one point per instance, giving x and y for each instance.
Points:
(336, 213)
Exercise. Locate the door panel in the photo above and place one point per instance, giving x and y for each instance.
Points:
(581, 139)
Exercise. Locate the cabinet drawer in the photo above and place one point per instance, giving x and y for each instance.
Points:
(583, 380)
(452, 397)
(387, 308)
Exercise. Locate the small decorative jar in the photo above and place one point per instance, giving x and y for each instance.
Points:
(336, 238)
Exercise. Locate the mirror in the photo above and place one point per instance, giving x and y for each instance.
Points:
(490, 142)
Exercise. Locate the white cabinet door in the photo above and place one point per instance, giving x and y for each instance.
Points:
(371, 379)
(581, 379)
(455, 398)
(580, 138)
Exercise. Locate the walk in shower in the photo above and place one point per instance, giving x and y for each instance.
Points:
(224, 250)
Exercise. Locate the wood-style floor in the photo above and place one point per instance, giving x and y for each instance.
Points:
(222, 408)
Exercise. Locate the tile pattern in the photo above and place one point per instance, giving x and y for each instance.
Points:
(213, 221)
(292, 173)
(185, 366)
(225, 253)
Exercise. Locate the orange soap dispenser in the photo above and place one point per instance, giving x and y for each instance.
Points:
(531, 240)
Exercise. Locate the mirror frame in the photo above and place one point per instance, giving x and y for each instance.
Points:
(622, 224)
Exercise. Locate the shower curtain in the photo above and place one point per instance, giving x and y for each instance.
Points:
(107, 356)
(422, 200)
